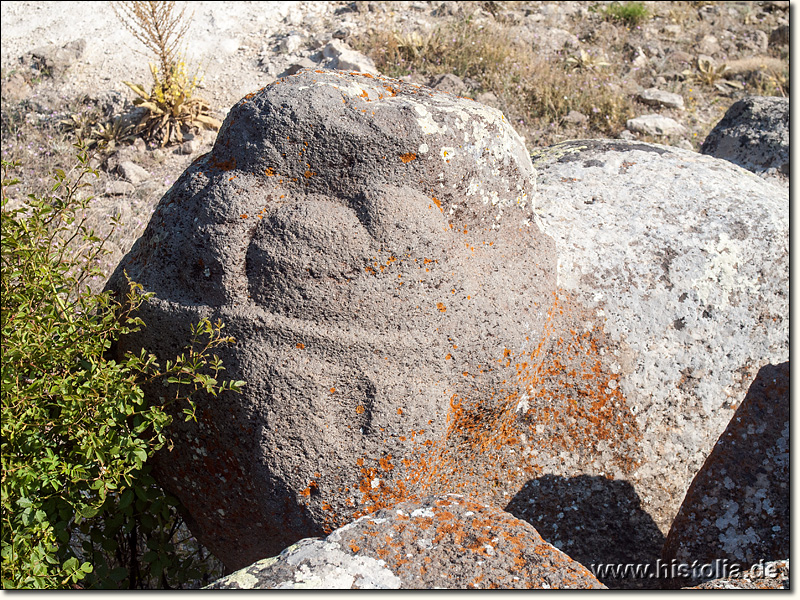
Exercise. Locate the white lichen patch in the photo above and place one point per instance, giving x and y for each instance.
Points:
(248, 578)
(723, 277)
(426, 121)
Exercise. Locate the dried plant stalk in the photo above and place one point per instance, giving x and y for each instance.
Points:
(158, 26)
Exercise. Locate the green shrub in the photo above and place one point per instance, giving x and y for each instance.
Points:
(79, 506)
(629, 13)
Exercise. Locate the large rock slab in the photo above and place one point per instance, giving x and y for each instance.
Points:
(680, 262)
(370, 245)
(442, 542)
(400, 328)
(754, 134)
(737, 508)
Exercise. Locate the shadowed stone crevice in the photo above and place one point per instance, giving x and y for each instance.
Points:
(736, 510)
(593, 519)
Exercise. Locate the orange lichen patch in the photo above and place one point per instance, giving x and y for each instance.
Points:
(244, 215)
(559, 396)
(333, 391)
(309, 174)
(269, 172)
(360, 409)
(408, 157)
(311, 487)
(385, 464)
(448, 356)
(300, 345)
(441, 307)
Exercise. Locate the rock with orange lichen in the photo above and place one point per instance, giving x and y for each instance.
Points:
(440, 542)
(370, 245)
(737, 508)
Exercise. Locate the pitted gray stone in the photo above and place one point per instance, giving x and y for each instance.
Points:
(312, 564)
(737, 508)
(370, 245)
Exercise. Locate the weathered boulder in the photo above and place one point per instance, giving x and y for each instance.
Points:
(53, 60)
(132, 172)
(447, 82)
(370, 245)
(655, 125)
(339, 55)
(754, 134)
(443, 542)
(737, 508)
(680, 262)
(779, 36)
(552, 40)
(656, 97)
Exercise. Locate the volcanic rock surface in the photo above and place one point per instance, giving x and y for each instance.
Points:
(369, 244)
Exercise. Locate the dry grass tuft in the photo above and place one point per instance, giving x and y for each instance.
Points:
(535, 91)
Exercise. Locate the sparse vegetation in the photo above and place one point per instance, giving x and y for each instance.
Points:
(629, 13)
(535, 91)
(171, 107)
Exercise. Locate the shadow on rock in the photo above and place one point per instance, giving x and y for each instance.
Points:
(736, 513)
(596, 521)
